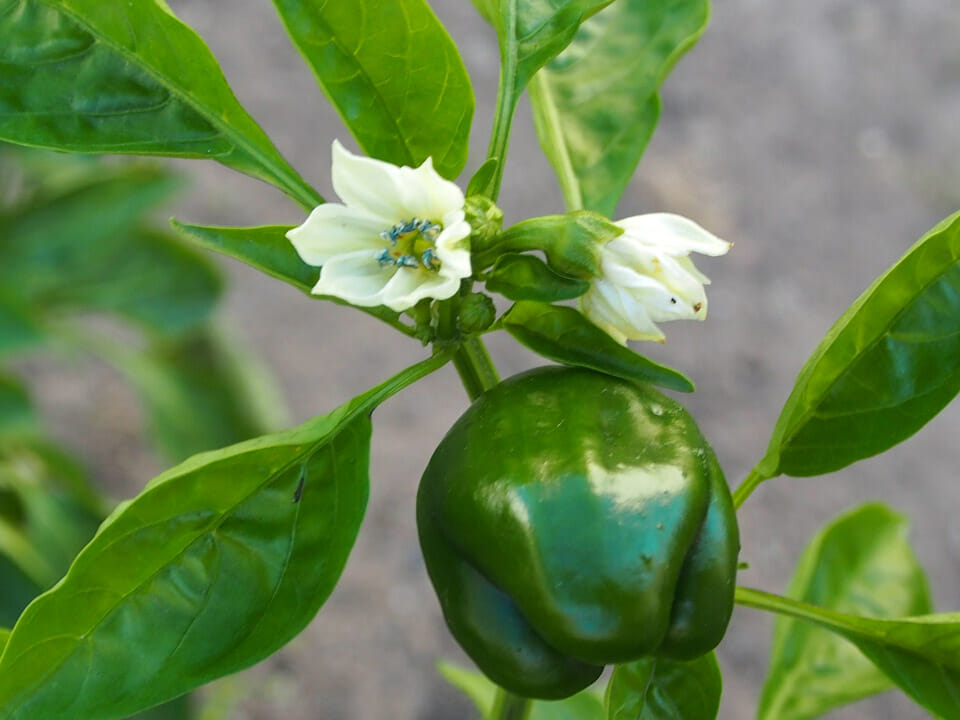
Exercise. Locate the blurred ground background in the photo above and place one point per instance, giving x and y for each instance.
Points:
(823, 137)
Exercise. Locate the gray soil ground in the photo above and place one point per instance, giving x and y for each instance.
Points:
(823, 137)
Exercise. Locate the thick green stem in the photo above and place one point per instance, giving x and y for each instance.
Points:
(507, 96)
(507, 706)
(744, 489)
(476, 369)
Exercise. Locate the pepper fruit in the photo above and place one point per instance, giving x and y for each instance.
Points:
(569, 520)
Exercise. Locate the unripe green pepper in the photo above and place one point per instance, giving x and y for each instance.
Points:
(569, 520)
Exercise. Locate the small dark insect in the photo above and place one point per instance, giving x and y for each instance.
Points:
(298, 493)
(696, 308)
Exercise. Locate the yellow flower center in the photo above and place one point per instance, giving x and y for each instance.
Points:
(412, 244)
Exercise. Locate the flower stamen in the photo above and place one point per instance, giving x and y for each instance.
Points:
(412, 245)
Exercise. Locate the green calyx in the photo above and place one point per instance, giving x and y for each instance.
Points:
(485, 220)
(571, 520)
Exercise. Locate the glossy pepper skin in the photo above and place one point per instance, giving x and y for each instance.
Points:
(569, 520)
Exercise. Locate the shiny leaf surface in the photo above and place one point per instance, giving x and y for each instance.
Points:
(861, 564)
(526, 277)
(920, 654)
(595, 106)
(392, 72)
(562, 334)
(887, 367)
(217, 564)
(95, 77)
(268, 249)
(265, 248)
(661, 689)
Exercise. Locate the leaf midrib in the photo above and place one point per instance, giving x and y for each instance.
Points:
(235, 136)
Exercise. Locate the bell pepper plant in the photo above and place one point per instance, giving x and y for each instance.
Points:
(574, 518)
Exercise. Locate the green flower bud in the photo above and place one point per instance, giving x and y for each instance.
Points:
(485, 220)
(477, 313)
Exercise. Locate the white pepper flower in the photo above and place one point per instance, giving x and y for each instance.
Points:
(647, 277)
(399, 236)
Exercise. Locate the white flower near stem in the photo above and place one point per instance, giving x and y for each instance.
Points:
(647, 277)
(398, 237)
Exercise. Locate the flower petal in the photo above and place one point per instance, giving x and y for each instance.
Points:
(452, 249)
(333, 229)
(673, 234)
(409, 286)
(427, 195)
(356, 277)
(618, 313)
(371, 185)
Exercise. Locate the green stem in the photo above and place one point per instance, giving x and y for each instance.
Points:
(507, 96)
(507, 706)
(744, 490)
(760, 600)
(475, 367)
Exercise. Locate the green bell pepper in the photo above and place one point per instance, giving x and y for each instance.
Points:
(569, 520)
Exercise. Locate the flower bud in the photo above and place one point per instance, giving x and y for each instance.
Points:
(477, 313)
(485, 220)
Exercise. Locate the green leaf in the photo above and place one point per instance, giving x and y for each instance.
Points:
(217, 564)
(482, 692)
(18, 328)
(83, 249)
(483, 176)
(94, 77)
(4, 636)
(920, 654)
(265, 248)
(595, 106)
(887, 367)
(268, 249)
(571, 242)
(489, 9)
(16, 410)
(16, 591)
(392, 72)
(475, 685)
(533, 32)
(179, 709)
(862, 564)
(562, 334)
(525, 277)
(661, 689)
(200, 392)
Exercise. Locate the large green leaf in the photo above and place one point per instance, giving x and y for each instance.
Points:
(562, 334)
(595, 106)
(84, 249)
(125, 77)
(265, 248)
(200, 391)
(217, 564)
(16, 410)
(584, 705)
(888, 366)
(392, 72)
(4, 636)
(268, 249)
(920, 654)
(862, 564)
(19, 329)
(661, 689)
